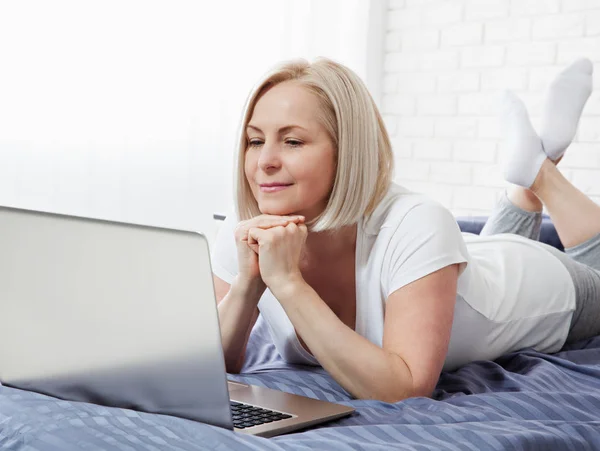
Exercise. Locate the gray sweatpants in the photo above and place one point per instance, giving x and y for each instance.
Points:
(582, 262)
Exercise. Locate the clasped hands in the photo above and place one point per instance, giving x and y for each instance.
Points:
(269, 250)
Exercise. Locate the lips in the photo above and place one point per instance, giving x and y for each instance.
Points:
(273, 187)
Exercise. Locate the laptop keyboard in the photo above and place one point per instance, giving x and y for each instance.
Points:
(246, 416)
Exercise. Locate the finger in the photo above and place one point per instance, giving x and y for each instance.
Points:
(241, 231)
(265, 222)
(255, 247)
(291, 227)
(299, 229)
(303, 229)
(251, 240)
(303, 232)
(258, 236)
(253, 244)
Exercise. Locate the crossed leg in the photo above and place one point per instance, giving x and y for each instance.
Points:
(530, 164)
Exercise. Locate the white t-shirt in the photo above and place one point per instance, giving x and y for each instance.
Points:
(512, 292)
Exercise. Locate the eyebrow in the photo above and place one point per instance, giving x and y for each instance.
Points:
(281, 131)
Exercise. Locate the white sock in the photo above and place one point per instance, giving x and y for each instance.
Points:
(522, 151)
(565, 100)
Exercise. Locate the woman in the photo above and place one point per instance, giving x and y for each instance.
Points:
(376, 283)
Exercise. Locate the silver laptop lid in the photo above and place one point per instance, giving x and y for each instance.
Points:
(111, 313)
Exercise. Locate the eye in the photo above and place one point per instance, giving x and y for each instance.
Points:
(255, 142)
(294, 143)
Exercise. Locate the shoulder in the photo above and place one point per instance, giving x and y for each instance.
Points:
(407, 210)
(410, 236)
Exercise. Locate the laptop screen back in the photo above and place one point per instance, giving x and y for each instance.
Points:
(111, 313)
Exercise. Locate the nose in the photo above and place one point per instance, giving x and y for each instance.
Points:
(269, 158)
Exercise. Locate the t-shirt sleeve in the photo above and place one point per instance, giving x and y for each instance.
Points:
(425, 240)
(224, 254)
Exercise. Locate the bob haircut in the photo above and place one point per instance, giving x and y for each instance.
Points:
(365, 163)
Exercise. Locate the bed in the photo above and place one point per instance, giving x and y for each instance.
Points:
(524, 400)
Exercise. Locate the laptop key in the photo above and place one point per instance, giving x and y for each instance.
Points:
(247, 415)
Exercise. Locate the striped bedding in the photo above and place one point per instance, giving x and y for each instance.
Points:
(525, 400)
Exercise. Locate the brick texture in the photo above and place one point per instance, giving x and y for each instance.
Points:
(446, 61)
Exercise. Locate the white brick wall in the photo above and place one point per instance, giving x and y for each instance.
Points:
(445, 63)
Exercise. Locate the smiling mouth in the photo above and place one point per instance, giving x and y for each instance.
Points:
(273, 187)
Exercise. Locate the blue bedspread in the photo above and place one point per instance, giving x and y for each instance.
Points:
(526, 400)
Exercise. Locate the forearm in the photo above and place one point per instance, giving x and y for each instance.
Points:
(238, 312)
(364, 369)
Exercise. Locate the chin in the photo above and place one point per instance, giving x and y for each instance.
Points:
(278, 211)
(277, 208)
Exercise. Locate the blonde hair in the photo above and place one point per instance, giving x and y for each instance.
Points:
(364, 155)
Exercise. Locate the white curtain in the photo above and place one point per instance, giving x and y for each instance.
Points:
(127, 110)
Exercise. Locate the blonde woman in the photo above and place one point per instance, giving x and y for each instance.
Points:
(376, 283)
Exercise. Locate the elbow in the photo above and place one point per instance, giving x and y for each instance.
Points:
(234, 366)
(400, 384)
(412, 391)
(393, 396)
(388, 393)
(387, 396)
(400, 395)
(424, 388)
(414, 384)
(422, 392)
(233, 369)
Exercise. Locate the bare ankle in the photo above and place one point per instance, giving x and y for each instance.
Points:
(524, 199)
(538, 183)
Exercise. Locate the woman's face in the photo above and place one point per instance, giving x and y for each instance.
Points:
(290, 158)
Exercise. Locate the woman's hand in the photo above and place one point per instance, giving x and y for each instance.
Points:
(247, 250)
(279, 250)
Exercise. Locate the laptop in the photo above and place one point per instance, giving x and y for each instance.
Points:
(125, 315)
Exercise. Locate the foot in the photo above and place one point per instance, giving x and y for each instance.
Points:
(565, 100)
(522, 151)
